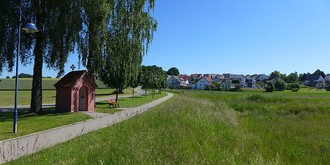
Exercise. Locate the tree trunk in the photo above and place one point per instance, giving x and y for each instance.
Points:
(36, 94)
(145, 93)
(133, 94)
(117, 90)
(92, 46)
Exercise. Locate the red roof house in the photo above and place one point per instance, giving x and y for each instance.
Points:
(75, 92)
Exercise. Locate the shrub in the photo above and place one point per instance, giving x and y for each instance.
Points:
(295, 89)
(269, 87)
(327, 88)
(293, 85)
(280, 85)
(237, 88)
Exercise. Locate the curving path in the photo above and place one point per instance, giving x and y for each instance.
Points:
(14, 148)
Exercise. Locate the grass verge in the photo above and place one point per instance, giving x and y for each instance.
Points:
(48, 96)
(103, 106)
(28, 123)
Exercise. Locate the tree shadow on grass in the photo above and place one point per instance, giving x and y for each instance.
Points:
(101, 103)
(24, 114)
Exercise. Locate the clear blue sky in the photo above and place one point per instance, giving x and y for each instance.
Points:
(238, 36)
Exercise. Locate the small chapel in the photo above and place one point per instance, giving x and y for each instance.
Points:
(75, 92)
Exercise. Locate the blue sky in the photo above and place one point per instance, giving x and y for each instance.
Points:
(237, 36)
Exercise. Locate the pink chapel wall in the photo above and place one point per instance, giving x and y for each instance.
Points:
(69, 99)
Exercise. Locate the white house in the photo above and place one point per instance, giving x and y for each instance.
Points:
(226, 84)
(219, 78)
(173, 82)
(203, 82)
(315, 81)
(262, 77)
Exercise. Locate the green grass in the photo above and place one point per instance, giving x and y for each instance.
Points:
(103, 106)
(199, 127)
(48, 96)
(28, 123)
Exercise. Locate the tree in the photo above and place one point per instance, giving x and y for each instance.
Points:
(55, 20)
(95, 17)
(24, 75)
(153, 77)
(303, 76)
(173, 71)
(280, 85)
(292, 77)
(269, 87)
(319, 73)
(127, 41)
(279, 74)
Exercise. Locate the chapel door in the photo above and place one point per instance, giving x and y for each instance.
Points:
(82, 99)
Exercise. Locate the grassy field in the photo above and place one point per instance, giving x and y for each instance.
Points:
(49, 96)
(199, 127)
(28, 123)
(103, 106)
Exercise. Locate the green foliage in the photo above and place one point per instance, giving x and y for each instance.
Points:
(293, 85)
(279, 74)
(295, 89)
(173, 71)
(280, 85)
(130, 31)
(152, 77)
(319, 73)
(292, 77)
(269, 87)
(24, 75)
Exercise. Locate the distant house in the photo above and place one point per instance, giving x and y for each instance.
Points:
(184, 79)
(203, 82)
(210, 75)
(177, 82)
(173, 82)
(315, 81)
(219, 78)
(239, 79)
(194, 78)
(327, 81)
(274, 79)
(262, 78)
(226, 84)
(251, 82)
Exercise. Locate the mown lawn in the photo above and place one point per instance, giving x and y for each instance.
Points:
(48, 96)
(209, 128)
(29, 123)
(103, 106)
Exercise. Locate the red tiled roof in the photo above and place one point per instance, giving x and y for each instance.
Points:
(209, 78)
(71, 78)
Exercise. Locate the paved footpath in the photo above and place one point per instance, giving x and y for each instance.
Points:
(14, 148)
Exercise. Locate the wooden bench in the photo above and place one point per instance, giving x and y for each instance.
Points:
(113, 103)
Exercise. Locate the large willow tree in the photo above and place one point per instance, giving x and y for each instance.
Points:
(91, 26)
(130, 33)
(57, 22)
